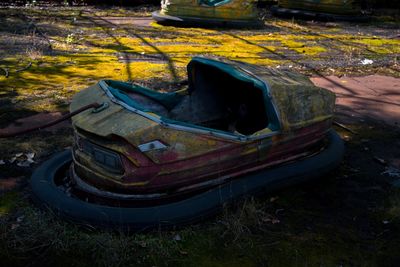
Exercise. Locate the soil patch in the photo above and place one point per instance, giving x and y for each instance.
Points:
(373, 97)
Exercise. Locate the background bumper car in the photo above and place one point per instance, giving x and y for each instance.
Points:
(320, 9)
(211, 13)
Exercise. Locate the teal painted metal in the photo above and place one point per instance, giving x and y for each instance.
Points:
(214, 2)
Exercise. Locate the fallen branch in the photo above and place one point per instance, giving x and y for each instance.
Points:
(5, 70)
(7, 134)
(344, 127)
(24, 68)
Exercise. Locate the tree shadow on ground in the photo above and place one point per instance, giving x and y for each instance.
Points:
(106, 29)
(295, 61)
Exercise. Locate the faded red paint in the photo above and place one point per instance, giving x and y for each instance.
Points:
(227, 162)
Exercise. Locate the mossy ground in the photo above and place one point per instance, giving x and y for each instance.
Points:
(69, 49)
(50, 54)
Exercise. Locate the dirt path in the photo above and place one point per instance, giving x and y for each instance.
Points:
(373, 97)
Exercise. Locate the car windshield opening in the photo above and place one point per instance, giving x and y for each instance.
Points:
(220, 101)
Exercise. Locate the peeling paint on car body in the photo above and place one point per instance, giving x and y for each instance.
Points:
(232, 9)
(195, 155)
(209, 11)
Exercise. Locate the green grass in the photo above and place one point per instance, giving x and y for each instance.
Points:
(241, 236)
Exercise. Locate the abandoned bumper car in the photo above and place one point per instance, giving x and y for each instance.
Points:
(231, 13)
(144, 158)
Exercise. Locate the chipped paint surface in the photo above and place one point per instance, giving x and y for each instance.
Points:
(231, 9)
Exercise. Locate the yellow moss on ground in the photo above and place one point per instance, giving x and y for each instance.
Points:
(162, 52)
(302, 48)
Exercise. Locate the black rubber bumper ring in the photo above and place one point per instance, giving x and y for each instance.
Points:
(184, 211)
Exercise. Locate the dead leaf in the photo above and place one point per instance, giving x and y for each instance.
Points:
(272, 199)
(271, 219)
(25, 163)
(381, 161)
(275, 221)
(30, 155)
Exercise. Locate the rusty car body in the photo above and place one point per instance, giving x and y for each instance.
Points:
(241, 13)
(236, 129)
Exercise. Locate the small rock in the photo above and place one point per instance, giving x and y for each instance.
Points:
(177, 237)
(20, 218)
(392, 171)
(367, 61)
